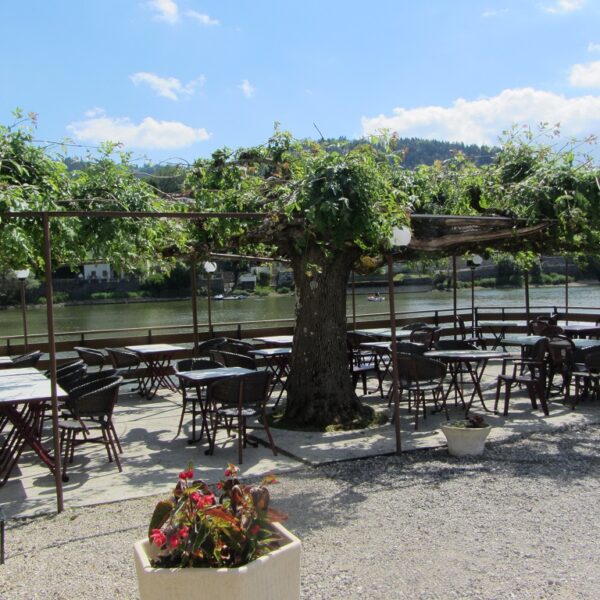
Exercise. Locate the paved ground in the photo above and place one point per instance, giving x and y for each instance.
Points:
(153, 456)
(521, 522)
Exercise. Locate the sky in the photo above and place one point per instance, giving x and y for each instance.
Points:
(173, 80)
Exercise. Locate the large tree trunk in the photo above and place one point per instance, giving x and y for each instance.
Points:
(319, 385)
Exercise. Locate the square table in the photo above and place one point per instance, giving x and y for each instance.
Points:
(497, 329)
(475, 362)
(276, 340)
(6, 362)
(581, 330)
(202, 378)
(278, 363)
(22, 399)
(157, 358)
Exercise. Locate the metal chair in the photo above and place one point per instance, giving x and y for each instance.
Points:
(127, 364)
(92, 409)
(561, 354)
(363, 362)
(91, 357)
(419, 376)
(237, 399)
(27, 360)
(529, 373)
(587, 377)
(427, 336)
(232, 359)
(191, 401)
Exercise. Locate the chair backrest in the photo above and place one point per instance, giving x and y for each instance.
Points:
(206, 346)
(411, 348)
(552, 331)
(72, 378)
(196, 364)
(355, 339)
(413, 368)
(231, 359)
(92, 381)
(235, 346)
(27, 360)
(539, 350)
(245, 390)
(561, 351)
(98, 400)
(122, 358)
(90, 356)
(413, 326)
(455, 345)
(425, 335)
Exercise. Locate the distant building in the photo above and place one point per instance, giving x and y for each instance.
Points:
(98, 272)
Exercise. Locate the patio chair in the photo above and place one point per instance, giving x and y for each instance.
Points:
(527, 372)
(587, 377)
(427, 335)
(420, 376)
(232, 359)
(91, 357)
(206, 346)
(191, 403)
(561, 353)
(92, 410)
(363, 362)
(472, 335)
(235, 346)
(128, 366)
(26, 360)
(236, 400)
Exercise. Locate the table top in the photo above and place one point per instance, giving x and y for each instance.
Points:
(35, 388)
(5, 360)
(154, 349)
(209, 375)
(401, 334)
(530, 340)
(500, 323)
(20, 372)
(272, 352)
(277, 340)
(377, 345)
(578, 327)
(466, 354)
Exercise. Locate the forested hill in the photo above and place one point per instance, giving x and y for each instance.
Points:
(418, 151)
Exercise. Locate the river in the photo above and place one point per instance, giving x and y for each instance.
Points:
(178, 313)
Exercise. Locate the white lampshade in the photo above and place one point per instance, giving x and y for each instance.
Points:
(209, 267)
(401, 237)
(22, 274)
(475, 260)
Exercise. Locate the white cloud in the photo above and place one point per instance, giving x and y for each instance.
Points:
(565, 6)
(203, 18)
(94, 112)
(168, 87)
(247, 88)
(587, 75)
(481, 121)
(166, 10)
(593, 47)
(494, 13)
(148, 134)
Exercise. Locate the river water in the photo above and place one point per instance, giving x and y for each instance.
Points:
(178, 313)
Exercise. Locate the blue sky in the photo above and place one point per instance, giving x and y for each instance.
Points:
(179, 78)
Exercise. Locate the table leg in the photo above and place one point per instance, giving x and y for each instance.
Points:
(476, 374)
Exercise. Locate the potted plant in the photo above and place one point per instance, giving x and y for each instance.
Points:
(467, 437)
(221, 543)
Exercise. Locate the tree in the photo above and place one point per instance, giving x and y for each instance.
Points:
(325, 209)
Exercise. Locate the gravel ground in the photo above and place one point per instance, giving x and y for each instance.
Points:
(522, 522)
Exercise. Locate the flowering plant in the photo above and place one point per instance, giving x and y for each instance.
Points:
(473, 422)
(195, 528)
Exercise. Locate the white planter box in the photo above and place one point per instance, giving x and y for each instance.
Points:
(275, 576)
(466, 441)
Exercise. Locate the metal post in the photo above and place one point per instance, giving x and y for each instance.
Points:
(473, 327)
(24, 312)
(1, 536)
(353, 304)
(208, 292)
(194, 290)
(527, 307)
(52, 353)
(395, 382)
(454, 296)
(567, 289)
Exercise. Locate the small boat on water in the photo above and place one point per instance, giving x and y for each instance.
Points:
(375, 298)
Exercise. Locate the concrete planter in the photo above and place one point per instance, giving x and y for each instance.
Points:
(466, 441)
(275, 576)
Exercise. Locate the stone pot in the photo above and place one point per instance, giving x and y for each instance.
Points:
(274, 576)
(466, 441)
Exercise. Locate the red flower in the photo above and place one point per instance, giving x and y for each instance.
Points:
(174, 541)
(184, 532)
(227, 472)
(195, 496)
(186, 474)
(206, 500)
(219, 486)
(255, 529)
(158, 538)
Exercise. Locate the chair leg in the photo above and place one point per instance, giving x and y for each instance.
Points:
(268, 432)
(542, 396)
(241, 436)
(506, 397)
(111, 442)
(184, 404)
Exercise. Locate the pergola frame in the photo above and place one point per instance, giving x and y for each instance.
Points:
(480, 230)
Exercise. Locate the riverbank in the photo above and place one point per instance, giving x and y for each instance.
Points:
(419, 526)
